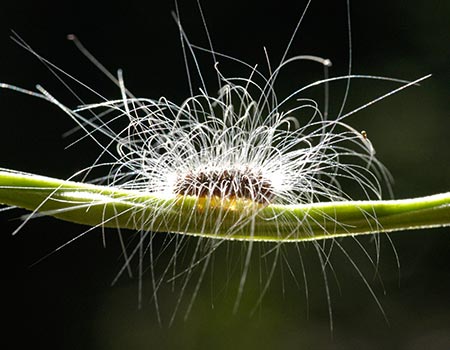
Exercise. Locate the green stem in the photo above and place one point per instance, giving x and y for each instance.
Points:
(114, 207)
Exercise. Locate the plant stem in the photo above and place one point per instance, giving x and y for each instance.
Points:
(114, 207)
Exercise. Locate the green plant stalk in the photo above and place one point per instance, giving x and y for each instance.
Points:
(114, 207)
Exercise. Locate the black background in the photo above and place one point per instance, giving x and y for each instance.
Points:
(66, 300)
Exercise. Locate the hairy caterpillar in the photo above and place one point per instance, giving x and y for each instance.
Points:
(206, 245)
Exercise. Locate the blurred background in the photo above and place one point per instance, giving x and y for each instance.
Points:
(66, 301)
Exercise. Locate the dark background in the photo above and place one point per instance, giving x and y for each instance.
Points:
(66, 300)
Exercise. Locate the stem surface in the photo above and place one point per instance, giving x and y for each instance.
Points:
(104, 206)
